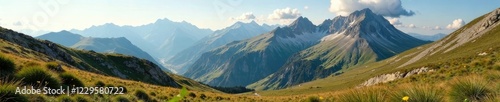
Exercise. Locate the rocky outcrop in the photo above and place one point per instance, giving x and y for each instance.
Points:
(492, 18)
(393, 76)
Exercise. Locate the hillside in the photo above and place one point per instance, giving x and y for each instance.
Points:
(112, 45)
(125, 67)
(142, 80)
(464, 66)
(46, 59)
(119, 45)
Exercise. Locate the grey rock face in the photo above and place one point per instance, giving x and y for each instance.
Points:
(394, 76)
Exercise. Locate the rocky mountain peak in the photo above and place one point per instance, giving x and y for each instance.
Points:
(332, 25)
(164, 20)
(363, 13)
(300, 23)
(240, 24)
(254, 23)
(299, 26)
(64, 31)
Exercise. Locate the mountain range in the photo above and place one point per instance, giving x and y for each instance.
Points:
(358, 57)
(302, 51)
(469, 52)
(238, 31)
(433, 37)
(161, 39)
(364, 37)
(243, 62)
(120, 66)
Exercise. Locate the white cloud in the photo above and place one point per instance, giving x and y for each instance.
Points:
(390, 8)
(306, 7)
(437, 28)
(412, 26)
(457, 23)
(286, 13)
(244, 16)
(395, 21)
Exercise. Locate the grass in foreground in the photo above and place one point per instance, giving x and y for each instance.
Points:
(470, 89)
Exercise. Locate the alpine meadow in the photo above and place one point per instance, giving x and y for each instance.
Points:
(250, 51)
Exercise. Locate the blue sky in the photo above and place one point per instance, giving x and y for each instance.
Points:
(56, 15)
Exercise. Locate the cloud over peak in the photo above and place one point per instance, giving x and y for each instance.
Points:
(389, 8)
(395, 21)
(286, 13)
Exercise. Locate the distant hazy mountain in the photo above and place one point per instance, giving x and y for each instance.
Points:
(359, 38)
(162, 39)
(63, 37)
(103, 45)
(238, 31)
(243, 62)
(433, 37)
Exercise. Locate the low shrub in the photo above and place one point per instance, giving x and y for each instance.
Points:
(417, 94)
(140, 94)
(192, 95)
(8, 92)
(70, 80)
(99, 84)
(152, 93)
(313, 99)
(203, 96)
(37, 77)
(472, 89)
(124, 88)
(364, 95)
(7, 66)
